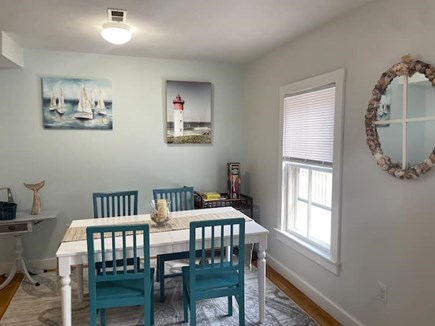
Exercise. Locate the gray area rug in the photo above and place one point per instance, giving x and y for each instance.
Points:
(41, 306)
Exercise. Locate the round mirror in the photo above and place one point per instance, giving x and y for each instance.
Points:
(400, 119)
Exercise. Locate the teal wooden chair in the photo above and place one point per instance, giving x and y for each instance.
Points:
(182, 199)
(218, 278)
(112, 204)
(122, 286)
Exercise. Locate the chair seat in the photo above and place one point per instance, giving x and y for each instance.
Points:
(118, 289)
(210, 280)
(133, 289)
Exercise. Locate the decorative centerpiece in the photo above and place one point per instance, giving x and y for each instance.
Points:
(160, 212)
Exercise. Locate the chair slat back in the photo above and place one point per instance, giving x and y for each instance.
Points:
(112, 204)
(117, 243)
(182, 199)
(215, 236)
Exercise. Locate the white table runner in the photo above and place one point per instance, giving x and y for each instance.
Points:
(176, 223)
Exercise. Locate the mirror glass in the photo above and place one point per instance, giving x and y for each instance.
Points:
(391, 102)
(420, 96)
(415, 142)
(389, 136)
(421, 103)
(421, 140)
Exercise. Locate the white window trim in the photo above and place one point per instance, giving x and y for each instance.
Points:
(328, 260)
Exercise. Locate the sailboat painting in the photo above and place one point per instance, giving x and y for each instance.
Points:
(74, 103)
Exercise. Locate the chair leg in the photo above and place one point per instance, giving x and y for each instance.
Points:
(185, 301)
(192, 312)
(151, 312)
(147, 317)
(161, 276)
(79, 270)
(241, 301)
(158, 269)
(230, 306)
(103, 317)
(92, 316)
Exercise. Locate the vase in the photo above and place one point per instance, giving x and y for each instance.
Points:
(160, 211)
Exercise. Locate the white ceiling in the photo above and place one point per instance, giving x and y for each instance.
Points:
(222, 30)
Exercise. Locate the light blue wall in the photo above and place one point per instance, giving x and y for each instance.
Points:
(75, 163)
(387, 225)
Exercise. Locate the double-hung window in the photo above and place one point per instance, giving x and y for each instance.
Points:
(311, 134)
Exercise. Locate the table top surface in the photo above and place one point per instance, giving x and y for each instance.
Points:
(157, 240)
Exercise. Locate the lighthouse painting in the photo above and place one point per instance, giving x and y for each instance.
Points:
(188, 112)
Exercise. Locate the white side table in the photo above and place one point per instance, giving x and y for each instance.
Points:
(23, 223)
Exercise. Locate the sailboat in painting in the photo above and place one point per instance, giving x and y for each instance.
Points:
(84, 110)
(61, 103)
(53, 105)
(92, 99)
(101, 107)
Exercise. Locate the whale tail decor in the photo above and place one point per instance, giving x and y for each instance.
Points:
(36, 207)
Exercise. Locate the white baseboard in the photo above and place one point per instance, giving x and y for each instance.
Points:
(50, 263)
(319, 298)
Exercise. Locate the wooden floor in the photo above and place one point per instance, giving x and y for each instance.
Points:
(8, 292)
(321, 316)
(317, 313)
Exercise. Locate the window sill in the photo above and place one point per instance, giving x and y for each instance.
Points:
(313, 253)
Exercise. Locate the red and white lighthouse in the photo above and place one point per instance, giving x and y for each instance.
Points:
(178, 116)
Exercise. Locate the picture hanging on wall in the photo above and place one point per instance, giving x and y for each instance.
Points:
(188, 112)
(73, 103)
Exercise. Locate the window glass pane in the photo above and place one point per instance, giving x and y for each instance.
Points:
(390, 137)
(303, 183)
(321, 188)
(320, 227)
(301, 218)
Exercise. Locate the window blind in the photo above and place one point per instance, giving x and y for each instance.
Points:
(309, 126)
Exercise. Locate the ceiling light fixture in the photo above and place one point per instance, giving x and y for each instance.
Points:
(116, 33)
(116, 30)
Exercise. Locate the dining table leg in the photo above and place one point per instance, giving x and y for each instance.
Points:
(261, 264)
(65, 292)
(79, 270)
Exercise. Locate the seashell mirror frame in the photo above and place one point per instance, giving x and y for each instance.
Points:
(407, 67)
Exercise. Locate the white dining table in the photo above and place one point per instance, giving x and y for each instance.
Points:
(75, 252)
